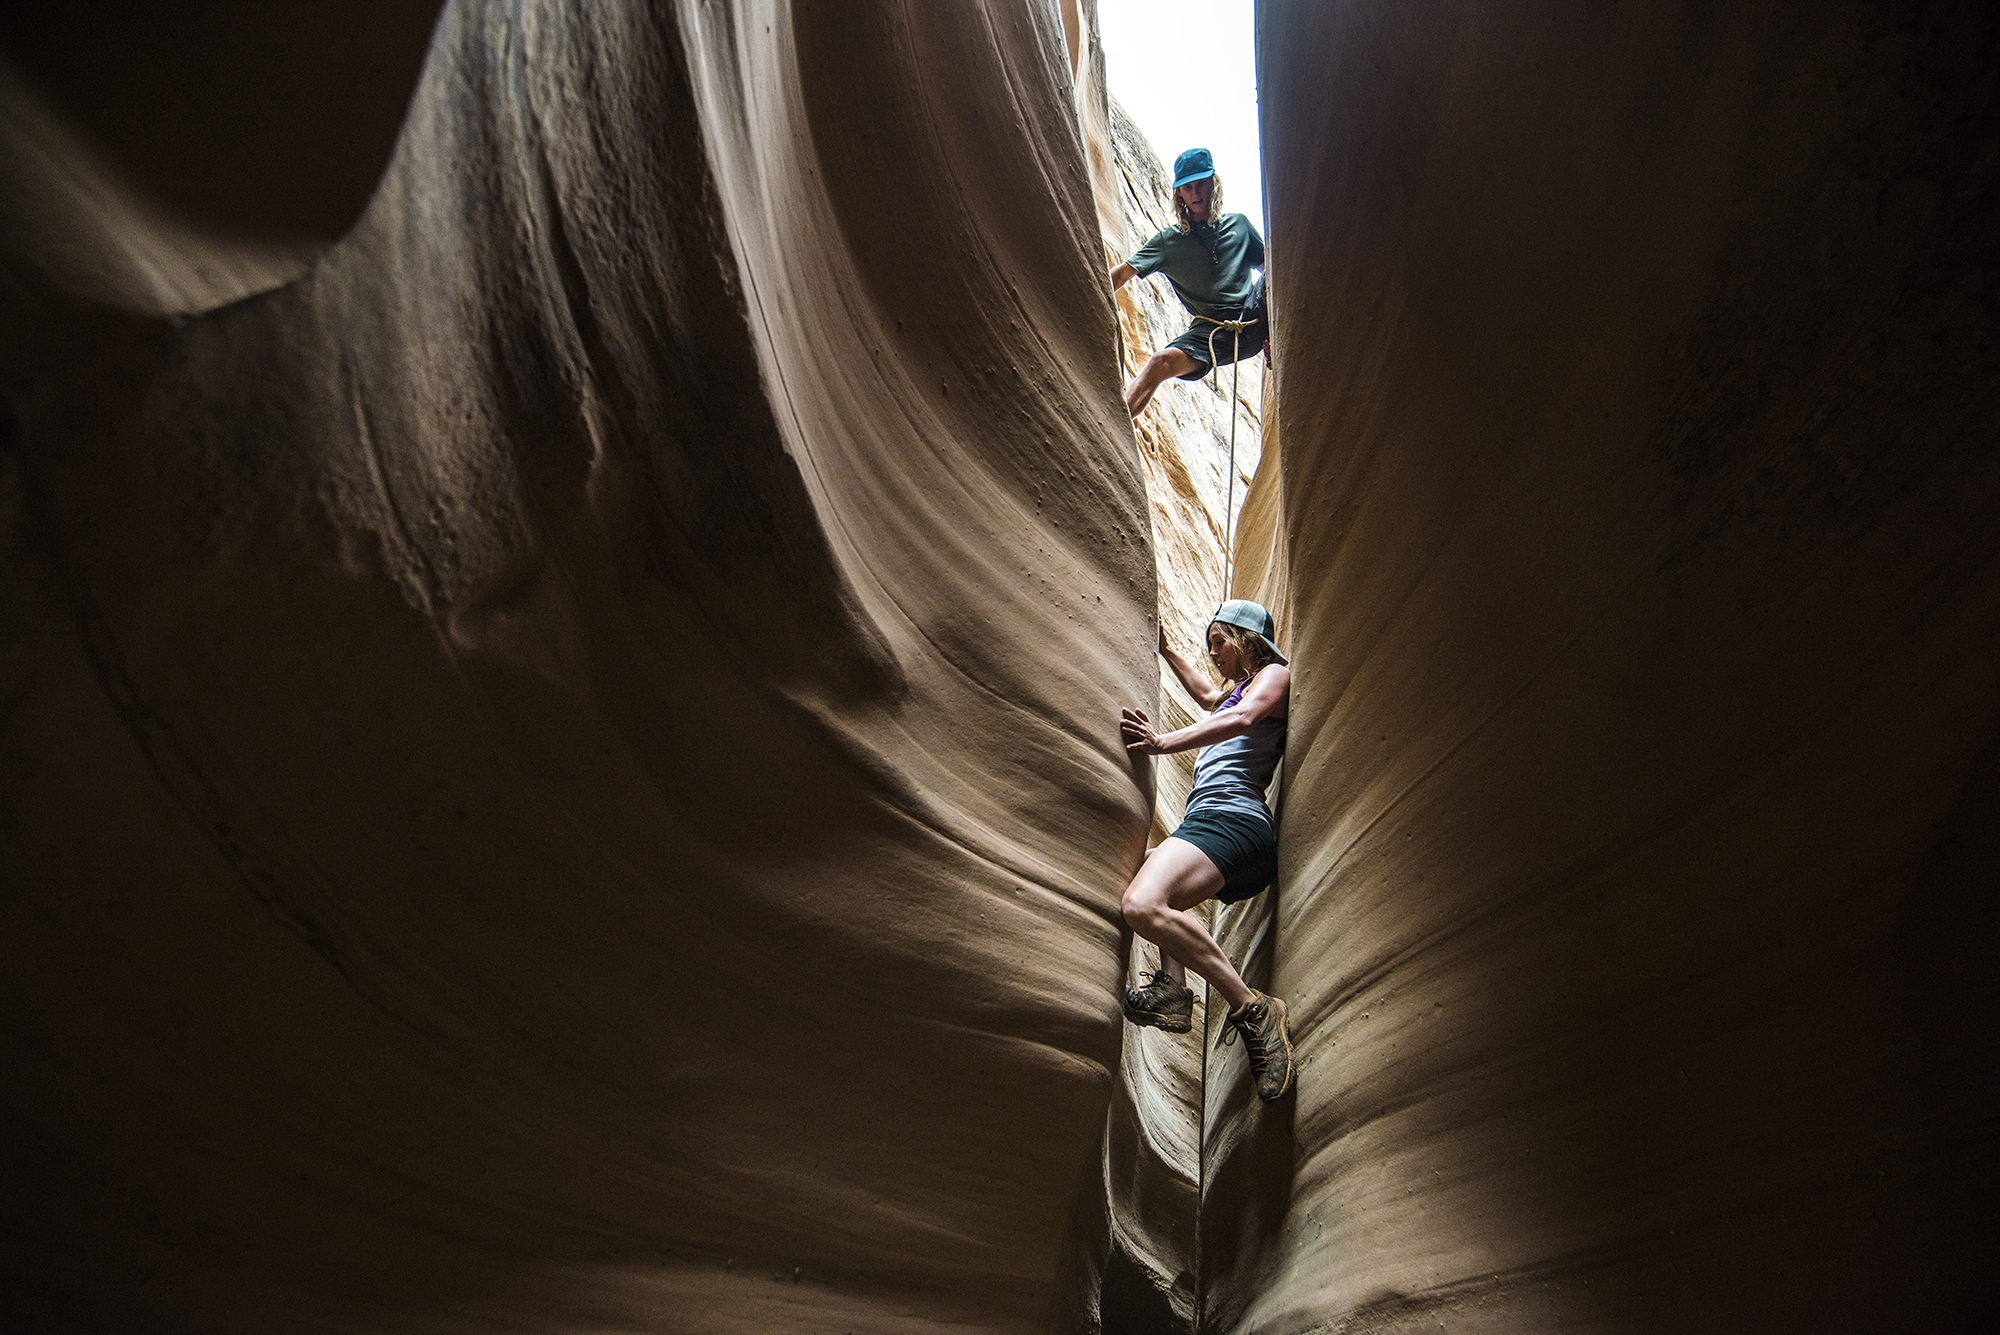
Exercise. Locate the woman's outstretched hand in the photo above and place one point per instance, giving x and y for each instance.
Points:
(1163, 636)
(1140, 739)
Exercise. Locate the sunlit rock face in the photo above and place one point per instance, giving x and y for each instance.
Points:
(1133, 1253)
(1197, 470)
(1184, 435)
(561, 767)
(1636, 371)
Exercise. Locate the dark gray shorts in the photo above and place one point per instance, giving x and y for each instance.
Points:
(1231, 345)
(1243, 848)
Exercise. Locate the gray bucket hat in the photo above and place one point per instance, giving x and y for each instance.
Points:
(1246, 615)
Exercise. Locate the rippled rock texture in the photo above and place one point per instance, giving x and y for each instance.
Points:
(1637, 380)
(560, 762)
(561, 768)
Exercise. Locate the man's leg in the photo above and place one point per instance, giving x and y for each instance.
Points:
(1164, 365)
(1174, 878)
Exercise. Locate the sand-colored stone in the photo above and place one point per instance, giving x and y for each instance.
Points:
(1645, 601)
(562, 768)
(559, 770)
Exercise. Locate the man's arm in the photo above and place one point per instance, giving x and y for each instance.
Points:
(1121, 274)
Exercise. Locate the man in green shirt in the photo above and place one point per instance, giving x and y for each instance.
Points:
(1209, 257)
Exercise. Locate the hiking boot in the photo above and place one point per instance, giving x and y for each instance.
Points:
(1268, 1040)
(1162, 1003)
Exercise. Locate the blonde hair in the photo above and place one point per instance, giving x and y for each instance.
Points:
(1256, 653)
(1184, 224)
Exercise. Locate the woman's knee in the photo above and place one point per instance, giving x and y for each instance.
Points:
(1141, 910)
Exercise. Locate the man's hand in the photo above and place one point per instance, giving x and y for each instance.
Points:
(1122, 274)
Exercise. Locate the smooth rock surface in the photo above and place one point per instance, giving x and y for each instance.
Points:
(561, 769)
(559, 766)
(1636, 370)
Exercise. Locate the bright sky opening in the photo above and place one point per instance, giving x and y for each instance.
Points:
(1186, 71)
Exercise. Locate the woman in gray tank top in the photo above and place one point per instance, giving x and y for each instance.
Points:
(1226, 846)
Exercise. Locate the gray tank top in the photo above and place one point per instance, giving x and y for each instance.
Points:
(1232, 775)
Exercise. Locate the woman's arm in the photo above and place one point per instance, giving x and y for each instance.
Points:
(1205, 692)
(1121, 274)
(1267, 697)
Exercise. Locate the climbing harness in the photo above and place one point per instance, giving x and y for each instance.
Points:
(1236, 328)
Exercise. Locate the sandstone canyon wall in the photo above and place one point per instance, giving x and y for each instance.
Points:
(172, 157)
(561, 767)
(1637, 380)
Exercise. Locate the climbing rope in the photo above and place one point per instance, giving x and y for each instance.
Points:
(1236, 328)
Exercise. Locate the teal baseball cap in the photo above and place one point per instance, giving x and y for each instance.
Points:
(1246, 615)
(1192, 166)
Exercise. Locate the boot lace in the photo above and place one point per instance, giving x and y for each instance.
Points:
(1253, 1042)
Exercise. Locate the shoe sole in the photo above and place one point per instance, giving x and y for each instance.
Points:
(1173, 1024)
(1285, 1037)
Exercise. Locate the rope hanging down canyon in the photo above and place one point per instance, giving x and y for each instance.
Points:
(1236, 328)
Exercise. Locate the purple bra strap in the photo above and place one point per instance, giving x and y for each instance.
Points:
(1237, 694)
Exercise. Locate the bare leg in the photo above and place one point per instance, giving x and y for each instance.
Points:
(1175, 969)
(1163, 366)
(1173, 879)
